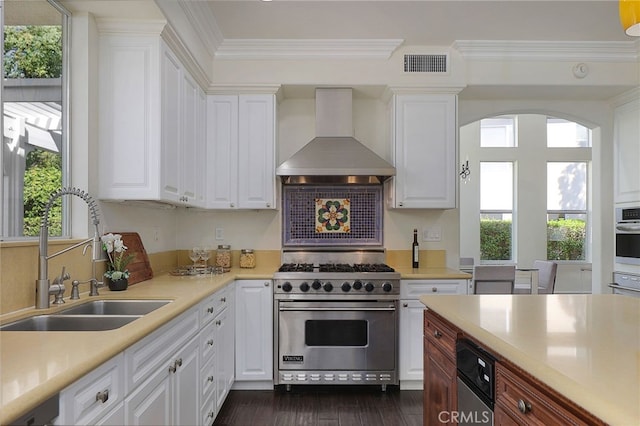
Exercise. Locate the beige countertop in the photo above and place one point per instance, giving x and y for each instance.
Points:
(35, 365)
(586, 347)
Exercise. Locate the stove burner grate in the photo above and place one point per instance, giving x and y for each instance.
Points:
(335, 267)
(296, 267)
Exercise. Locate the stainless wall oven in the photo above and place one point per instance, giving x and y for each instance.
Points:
(628, 235)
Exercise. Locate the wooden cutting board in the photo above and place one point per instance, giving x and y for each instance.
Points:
(139, 268)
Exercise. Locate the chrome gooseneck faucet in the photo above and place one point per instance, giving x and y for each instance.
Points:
(43, 288)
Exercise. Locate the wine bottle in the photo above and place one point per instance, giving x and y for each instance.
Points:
(416, 249)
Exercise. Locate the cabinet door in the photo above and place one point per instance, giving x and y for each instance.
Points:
(222, 151)
(189, 140)
(424, 151)
(440, 388)
(627, 152)
(151, 404)
(186, 382)
(254, 331)
(411, 344)
(114, 418)
(170, 124)
(256, 144)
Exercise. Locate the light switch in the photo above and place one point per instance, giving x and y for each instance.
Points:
(432, 234)
(219, 234)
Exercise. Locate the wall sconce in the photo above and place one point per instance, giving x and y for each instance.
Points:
(464, 171)
(630, 17)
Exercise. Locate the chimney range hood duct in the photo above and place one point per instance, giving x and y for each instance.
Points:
(334, 156)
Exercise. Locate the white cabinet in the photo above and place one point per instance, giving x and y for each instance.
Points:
(627, 152)
(424, 149)
(151, 122)
(254, 334)
(95, 398)
(411, 325)
(241, 151)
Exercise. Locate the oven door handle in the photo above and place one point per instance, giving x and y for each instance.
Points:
(628, 227)
(351, 309)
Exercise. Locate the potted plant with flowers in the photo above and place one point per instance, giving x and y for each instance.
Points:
(117, 275)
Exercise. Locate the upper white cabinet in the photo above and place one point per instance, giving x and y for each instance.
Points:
(241, 151)
(424, 146)
(151, 134)
(627, 152)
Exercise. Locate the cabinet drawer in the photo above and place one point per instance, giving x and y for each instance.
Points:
(531, 403)
(413, 289)
(208, 380)
(214, 304)
(440, 334)
(147, 355)
(89, 399)
(208, 342)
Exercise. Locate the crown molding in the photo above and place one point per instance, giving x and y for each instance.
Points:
(236, 89)
(177, 46)
(120, 26)
(274, 49)
(593, 51)
(204, 22)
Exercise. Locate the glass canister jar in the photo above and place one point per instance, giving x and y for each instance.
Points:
(223, 257)
(247, 258)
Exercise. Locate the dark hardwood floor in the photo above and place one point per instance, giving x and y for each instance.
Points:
(322, 406)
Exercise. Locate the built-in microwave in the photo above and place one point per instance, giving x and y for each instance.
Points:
(628, 235)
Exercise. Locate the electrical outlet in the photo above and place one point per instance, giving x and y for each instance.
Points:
(432, 234)
(156, 233)
(219, 234)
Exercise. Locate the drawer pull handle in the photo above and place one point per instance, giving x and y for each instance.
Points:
(437, 334)
(524, 407)
(223, 299)
(173, 368)
(218, 322)
(210, 309)
(103, 396)
(210, 342)
(179, 362)
(434, 289)
(210, 379)
(405, 305)
(210, 414)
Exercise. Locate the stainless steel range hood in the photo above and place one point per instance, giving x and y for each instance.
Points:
(334, 156)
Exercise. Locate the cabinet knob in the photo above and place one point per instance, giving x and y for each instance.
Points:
(210, 379)
(232, 205)
(210, 309)
(434, 289)
(223, 299)
(103, 396)
(524, 406)
(405, 305)
(400, 204)
(210, 342)
(437, 334)
(266, 283)
(268, 204)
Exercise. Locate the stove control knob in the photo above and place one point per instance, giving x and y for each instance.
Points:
(287, 287)
(316, 285)
(357, 285)
(327, 286)
(387, 287)
(304, 287)
(346, 286)
(368, 286)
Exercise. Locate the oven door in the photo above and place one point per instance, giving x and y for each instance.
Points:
(325, 335)
(628, 243)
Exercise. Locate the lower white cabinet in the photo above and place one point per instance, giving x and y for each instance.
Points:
(91, 399)
(178, 375)
(411, 325)
(254, 335)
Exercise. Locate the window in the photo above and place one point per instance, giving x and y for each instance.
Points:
(34, 110)
(566, 210)
(567, 134)
(496, 210)
(497, 132)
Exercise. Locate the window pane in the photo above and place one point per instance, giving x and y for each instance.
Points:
(496, 232)
(497, 132)
(567, 134)
(566, 236)
(496, 186)
(32, 105)
(567, 186)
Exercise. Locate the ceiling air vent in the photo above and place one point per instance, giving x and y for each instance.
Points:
(425, 63)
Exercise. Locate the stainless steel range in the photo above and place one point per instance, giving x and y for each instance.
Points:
(336, 318)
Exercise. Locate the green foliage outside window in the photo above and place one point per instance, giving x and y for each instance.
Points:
(565, 239)
(495, 239)
(42, 178)
(32, 51)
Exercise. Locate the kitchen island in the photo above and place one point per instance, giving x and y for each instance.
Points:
(585, 349)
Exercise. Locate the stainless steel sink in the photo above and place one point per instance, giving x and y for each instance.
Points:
(70, 323)
(116, 307)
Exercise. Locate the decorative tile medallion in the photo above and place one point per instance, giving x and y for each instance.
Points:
(332, 216)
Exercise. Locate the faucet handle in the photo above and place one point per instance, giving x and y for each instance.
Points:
(75, 293)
